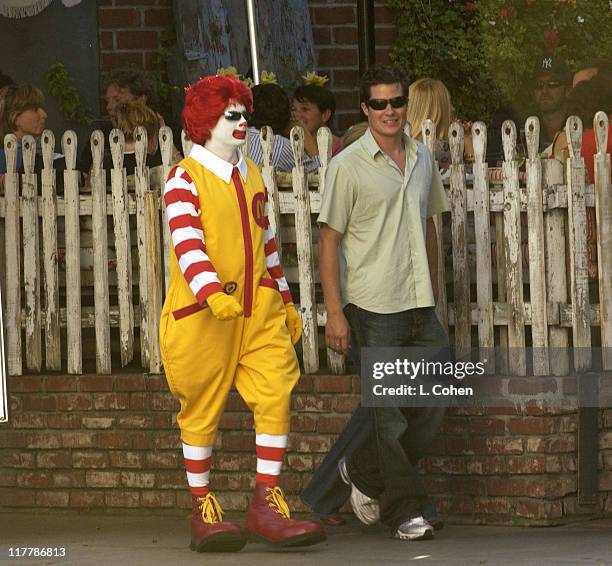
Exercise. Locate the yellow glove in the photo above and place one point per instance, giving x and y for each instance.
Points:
(294, 323)
(224, 307)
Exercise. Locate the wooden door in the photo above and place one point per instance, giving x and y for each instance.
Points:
(214, 33)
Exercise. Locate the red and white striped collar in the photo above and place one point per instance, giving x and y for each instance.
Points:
(221, 168)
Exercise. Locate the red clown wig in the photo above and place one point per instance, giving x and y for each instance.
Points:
(206, 100)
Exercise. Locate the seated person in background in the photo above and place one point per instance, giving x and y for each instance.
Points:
(22, 114)
(429, 98)
(127, 117)
(134, 114)
(313, 106)
(585, 100)
(124, 84)
(551, 84)
(271, 108)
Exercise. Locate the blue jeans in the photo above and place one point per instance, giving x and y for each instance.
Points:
(382, 445)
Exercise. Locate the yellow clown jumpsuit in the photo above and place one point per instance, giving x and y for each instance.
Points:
(203, 357)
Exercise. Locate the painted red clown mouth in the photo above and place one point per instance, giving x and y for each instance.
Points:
(239, 134)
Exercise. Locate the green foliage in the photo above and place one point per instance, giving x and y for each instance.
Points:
(61, 86)
(485, 51)
(162, 88)
(441, 39)
(517, 33)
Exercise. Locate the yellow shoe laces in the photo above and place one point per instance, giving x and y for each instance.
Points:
(276, 500)
(211, 510)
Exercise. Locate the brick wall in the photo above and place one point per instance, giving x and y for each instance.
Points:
(112, 442)
(130, 31)
(334, 26)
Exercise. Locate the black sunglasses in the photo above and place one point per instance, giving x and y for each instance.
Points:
(234, 115)
(381, 103)
(549, 84)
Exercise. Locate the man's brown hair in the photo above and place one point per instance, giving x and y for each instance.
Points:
(381, 74)
(133, 78)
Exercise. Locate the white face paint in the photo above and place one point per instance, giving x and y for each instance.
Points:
(228, 134)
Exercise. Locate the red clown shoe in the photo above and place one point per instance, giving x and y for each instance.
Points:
(208, 531)
(269, 520)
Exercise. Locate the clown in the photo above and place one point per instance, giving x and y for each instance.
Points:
(228, 318)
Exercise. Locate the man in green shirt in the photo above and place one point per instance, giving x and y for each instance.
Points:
(380, 196)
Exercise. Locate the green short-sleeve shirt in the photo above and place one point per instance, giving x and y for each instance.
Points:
(382, 214)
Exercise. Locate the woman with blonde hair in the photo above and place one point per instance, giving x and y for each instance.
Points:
(429, 98)
(127, 116)
(130, 115)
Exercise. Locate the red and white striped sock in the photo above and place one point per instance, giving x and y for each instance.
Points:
(197, 464)
(270, 452)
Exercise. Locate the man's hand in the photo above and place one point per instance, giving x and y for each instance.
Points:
(337, 332)
(294, 323)
(224, 307)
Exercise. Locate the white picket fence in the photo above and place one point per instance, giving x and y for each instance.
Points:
(555, 202)
(558, 282)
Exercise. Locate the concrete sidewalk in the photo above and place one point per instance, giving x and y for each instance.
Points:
(133, 540)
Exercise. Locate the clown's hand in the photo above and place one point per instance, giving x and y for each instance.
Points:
(224, 307)
(294, 323)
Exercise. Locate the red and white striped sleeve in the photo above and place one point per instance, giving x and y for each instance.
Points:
(183, 211)
(273, 261)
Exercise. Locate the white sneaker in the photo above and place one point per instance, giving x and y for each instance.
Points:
(366, 509)
(416, 528)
